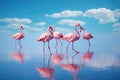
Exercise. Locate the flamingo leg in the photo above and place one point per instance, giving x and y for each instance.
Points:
(15, 45)
(73, 48)
(44, 48)
(56, 46)
(61, 45)
(49, 48)
(74, 57)
(44, 60)
(49, 61)
(89, 42)
(19, 42)
(67, 52)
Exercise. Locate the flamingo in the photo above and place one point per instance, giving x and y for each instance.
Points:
(46, 37)
(71, 37)
(18, 36)
(86, 35)
(58, 36)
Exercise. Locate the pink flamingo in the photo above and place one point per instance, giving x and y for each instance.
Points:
(46, 37)
(71, 37)
(58, 36)
(46, 71)
(18, 36)
(86, 35)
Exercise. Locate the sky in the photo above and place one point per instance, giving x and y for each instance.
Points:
(100, 17)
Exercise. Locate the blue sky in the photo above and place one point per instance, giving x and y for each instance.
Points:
(100, 17)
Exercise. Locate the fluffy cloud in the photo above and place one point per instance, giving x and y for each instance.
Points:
(65, 14)
(116, 26)
(103, 15)
(41, 24)
(71, 22)
(15, 26)
(104, 61)
(16, 20)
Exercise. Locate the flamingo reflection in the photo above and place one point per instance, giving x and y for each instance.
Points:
(72, 67)
(46, 71)
(57, 57)
(87, 56)
(18, 56)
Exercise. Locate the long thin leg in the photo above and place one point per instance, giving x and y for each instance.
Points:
(44, 48)
(67, 52)
(44, 59)
(19, 42)
(74, 57)
(15, 45)
(73, 48)
(56, 46)
(49, 48)
(89, 42)
(49, 61)
(61, 45)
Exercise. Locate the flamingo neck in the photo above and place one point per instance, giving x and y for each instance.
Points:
(21, 30)
(50, 31)
(76, 31)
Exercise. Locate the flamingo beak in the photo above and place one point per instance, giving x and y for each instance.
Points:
(80, 28)
(22, 27)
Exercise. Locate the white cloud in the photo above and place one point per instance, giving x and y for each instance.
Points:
(103, 15)
(41, 24)
(16, 20)
(65, 14)
(62, 30)
(103, 61)
(117, 13)
(15, 26)
(116, 26)
(71, 22)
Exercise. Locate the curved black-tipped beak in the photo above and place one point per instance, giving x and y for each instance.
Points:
(22, 28)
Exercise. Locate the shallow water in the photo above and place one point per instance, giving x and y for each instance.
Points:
(89, 64)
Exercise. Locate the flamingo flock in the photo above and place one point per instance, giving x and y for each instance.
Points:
(47, 71)
(52, 34)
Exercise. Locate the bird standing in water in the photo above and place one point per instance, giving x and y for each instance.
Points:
(18, 36)
(46, 37)
(86, 35)
(71, 37)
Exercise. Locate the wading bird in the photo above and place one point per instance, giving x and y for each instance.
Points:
(86, 35)
(46, 37)
(71, 37)
(18, 36)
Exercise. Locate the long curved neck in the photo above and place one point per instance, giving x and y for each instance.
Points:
(76, 31)
(50, 31)
(21, 30)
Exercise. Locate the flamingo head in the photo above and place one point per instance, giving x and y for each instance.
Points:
(21, 27)
(81, 29)
(51, 28)
(77, 24)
